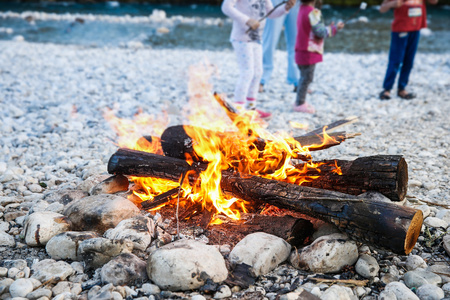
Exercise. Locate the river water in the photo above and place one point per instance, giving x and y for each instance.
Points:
(196, 27)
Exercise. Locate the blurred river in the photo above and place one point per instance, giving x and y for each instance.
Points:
(195, 27)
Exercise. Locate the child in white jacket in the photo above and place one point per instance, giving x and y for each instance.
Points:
(246, 40)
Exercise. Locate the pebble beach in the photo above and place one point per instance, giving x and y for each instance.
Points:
(54, 134)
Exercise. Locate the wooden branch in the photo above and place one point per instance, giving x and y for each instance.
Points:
(160, 199)
(352, 282)
(379, 223)
(386, 174)
(333, 126)
(318, 141)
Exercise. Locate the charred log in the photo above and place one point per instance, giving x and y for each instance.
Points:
(294, 230)
(386, 174)
(380, 223)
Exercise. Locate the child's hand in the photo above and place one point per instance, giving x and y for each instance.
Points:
(290, 4)
(253, 24)
(340, 25)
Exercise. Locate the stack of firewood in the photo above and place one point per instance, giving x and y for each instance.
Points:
(341, 199)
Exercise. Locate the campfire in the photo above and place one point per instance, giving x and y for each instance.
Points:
(231, 168)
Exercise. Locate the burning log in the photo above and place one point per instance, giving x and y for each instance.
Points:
(386, 174)
(177, 143)
(380, 223)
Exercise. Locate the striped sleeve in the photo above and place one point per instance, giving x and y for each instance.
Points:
(318, 27)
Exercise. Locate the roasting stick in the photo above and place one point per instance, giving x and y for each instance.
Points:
(362, 6)
(269, 13)
(333, 126)
(314, 137)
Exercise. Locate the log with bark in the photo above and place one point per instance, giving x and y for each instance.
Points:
(386, 174)
(381, 223)
(295, 231)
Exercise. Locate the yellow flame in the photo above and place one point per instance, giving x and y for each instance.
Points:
(240, 143)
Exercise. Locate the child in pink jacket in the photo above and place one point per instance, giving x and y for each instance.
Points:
(311, 32)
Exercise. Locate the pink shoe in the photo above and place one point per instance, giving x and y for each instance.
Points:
(305, 108)
(263, 115)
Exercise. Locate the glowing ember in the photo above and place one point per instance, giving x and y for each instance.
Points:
(242, 145)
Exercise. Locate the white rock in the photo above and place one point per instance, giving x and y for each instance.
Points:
(262, 251)
(150, 289)
(401, 291)
(47, 269)
(39, 293)
(185, 265)
(111, 185)
(21, 287)
(139, 230)
(430, 292)
(40, 227)
(327, 254)
(415, 261)
(442, 270)
(446, 287)
(420, 277)
(444, 214)
(223, 292)
(435, 222)
(4, 226)
(65, 245)
(6, 240)
(425, 210)
(446, 243)
(387, 295)
(96, 252)
(336, 292)
(367, 266)
(124, 269)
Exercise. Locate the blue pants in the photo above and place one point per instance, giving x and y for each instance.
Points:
(270, 38)
(401, 58)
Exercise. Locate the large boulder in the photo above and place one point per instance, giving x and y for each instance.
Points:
(99, 213)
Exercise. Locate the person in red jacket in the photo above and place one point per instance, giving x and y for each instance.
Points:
(409, 17)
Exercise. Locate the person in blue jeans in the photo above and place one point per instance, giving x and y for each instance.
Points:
(271, 36)
(409, 18)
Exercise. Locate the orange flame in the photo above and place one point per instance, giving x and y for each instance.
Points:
(241, 144)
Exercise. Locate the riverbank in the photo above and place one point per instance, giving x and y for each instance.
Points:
(55, 137)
